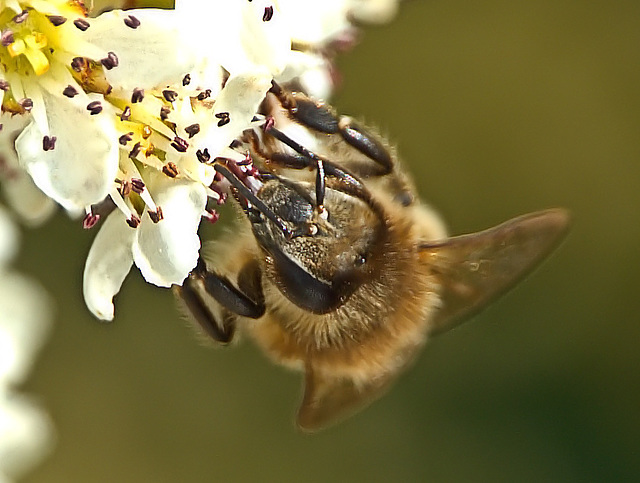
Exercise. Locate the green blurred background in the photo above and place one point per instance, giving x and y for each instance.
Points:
(498, 108)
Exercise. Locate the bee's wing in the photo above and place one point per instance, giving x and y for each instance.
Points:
(475, 269)
(329, 399)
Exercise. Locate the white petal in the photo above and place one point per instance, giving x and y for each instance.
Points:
(26, 435)
(315, 22)
(27, 200)
(150, 55)
(374, 11)
(265, 42)
(81, 168)
(168, 250)
(24, 322)
(233, 33)
(240, 98)
(108, 264)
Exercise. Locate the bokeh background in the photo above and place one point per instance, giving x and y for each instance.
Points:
(498, 108)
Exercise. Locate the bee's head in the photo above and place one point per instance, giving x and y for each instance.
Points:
(322, 255)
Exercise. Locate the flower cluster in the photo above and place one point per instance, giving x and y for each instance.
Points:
(25, 431)
(122, 116)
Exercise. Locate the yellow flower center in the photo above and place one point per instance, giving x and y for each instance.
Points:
(29, 39)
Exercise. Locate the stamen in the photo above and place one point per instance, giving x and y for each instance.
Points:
(133, 221)
(146, 132)
(164, 113)
(48, 143)
(137, 96)
(56, 20)
(125, 187)
(70, 91)
(186, 80)
(90, 220)
(78, 64)
(204, 94)
(203, 156)
(224, 118)
(21, 17)
(26, 104)
(120, 203)
(94, 107)
(268, 14)
(81, 23)
(211, 216)
(135, 150)
(192, 130)
(180, 144)
(146, 197)
(126, 114)
(169, 95)
(125, 138)
(110, 61)
(170, 169)
(6, 38)
(4, 85)
(157, 215)
(137, 185)
(132, 22)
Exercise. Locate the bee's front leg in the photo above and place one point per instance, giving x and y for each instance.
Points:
(246, 301)
(321, 118)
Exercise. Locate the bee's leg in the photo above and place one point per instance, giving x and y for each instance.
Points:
(247, 301)
(320, 118)
(226, 294)
(307, 159)
(366, 143)
(220, 327)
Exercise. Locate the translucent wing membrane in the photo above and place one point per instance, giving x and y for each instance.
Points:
(475, 269)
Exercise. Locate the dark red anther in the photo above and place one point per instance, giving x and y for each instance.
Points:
(81, 24)
(126, 114)
(94, 107)
(224, 118)
(132, 22)
(211, 216)
(170, 169)
(203, 156)
(110, 61)
(134, 221)
(179, 144)
(137, 185)
(56, 20)
(137, 95)
(157, 215)
(90, 220)
(48, 143)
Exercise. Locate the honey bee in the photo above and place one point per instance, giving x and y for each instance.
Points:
(338, 269)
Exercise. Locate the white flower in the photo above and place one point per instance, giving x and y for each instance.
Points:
(170, 137)
(21, 193)
(25, 431)
(57, 66)
(320, 29)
